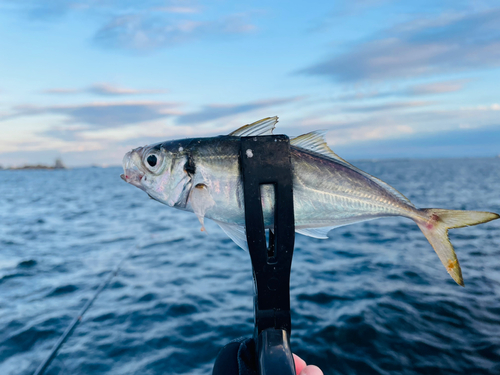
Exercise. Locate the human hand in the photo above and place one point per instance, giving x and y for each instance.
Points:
(302, 369)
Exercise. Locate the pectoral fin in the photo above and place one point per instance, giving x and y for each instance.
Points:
(201, 201)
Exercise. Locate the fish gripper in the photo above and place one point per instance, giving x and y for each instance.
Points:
(266, 160)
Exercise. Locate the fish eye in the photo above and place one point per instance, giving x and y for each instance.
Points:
(152, 160)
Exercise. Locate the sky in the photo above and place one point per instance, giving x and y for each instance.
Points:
(88, 80)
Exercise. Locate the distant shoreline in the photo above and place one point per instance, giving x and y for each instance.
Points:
(58, 164)
(354, 160)
(34, 167)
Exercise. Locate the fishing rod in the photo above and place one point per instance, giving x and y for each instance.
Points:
(78, 318)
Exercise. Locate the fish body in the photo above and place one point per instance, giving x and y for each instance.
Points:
(202, 175)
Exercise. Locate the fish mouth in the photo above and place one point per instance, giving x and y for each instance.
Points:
(132, 171)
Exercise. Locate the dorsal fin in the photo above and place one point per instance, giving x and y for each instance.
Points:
(261, 127)
(315, 141)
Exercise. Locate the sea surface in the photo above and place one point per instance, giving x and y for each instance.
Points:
(372, 299)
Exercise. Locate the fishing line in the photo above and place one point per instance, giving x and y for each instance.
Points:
(43, 366)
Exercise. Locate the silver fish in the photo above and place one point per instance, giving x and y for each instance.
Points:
(202, 175)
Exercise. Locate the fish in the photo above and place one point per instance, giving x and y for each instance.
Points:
(202, 175)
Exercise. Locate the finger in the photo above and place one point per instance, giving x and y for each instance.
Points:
(300, 364)
(311, 370)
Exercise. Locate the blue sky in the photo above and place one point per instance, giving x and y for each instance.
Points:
(88, 80)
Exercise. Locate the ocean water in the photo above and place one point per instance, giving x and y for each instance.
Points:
(372, 299)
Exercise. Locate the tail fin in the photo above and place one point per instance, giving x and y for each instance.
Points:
(435, 229)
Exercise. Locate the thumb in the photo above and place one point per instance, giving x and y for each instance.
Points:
(311, 370)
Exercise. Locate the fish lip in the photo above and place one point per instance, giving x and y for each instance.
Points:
(132, 177)
(132, 171)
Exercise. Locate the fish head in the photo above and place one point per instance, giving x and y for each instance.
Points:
(160, 171)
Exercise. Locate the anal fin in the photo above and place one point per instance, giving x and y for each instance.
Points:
(236, 232)
(315, 232)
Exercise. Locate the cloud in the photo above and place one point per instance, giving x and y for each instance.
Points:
(178, 9)
(491, 107)
(68, 133)
(342, 10)
(147, 32)
(365, 95)
(141, 25)
(104, 115)
(216, 111)
(388, 106)
(110, 90)
(105, 89)
(437, 87)
(59, 91)
(116, 114)
(54, 9)
(429, 88)
(481, 142)
(353, 128)
(46, 10)
(420, 48)
(115, 121)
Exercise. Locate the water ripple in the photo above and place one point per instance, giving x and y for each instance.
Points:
(372, 299)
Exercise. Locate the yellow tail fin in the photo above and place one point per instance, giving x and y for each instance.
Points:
(435, 229)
